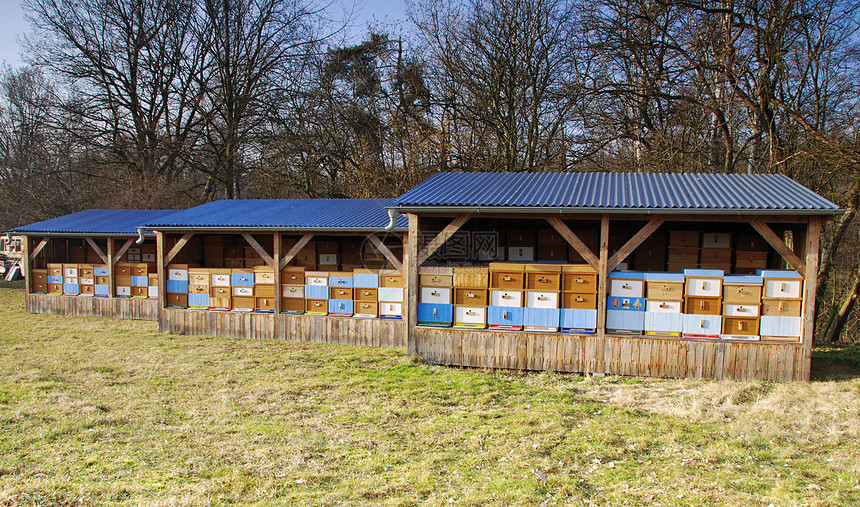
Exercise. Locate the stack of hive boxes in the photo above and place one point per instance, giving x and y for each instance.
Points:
(365, 293)
(264, 288)
(293, 290)
(242, 282)
(55, 278)
(543, 288)
(436, 303)
(328, 255)
(625, 308)
(521, 245)
(578, 299)
(470, 296)
(123, 273)
(741, 307)
(390, 294)
(152, 290)
(87, 279)
(316, 292)
(102, 274)
(716, 252)
(781, 318)
(664, 300)
(703, 303)
(551, 246)
(220, 289)
(140, 279)
(199, 288)
(650, 255)
(751, 254)
(340, 301)
(71, 284)
(39, 281)
(177, 286)
(507, 281)
(683, 250)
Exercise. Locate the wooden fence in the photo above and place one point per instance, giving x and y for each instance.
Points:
(616, 355)
(119, 308)
(301, 328)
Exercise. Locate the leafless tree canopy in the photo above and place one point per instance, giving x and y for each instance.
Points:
(149, 103)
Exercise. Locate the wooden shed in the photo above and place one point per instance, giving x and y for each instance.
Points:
(90, 264)
(322, 270)
(667, 275)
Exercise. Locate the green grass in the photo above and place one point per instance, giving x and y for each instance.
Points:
(102, 411)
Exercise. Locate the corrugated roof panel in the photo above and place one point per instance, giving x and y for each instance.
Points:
(617, 191)
(310, 214)
(95, 221)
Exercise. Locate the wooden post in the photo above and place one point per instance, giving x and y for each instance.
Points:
(813, 235)
(161, 266)
(27, 267)
(111, 263)
(410, 273)
(602, 279)
(276, 254)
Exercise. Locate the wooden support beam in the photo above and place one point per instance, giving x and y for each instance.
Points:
(111, 262)
(259, 249)
(38, 249)
(97, 250)
(28, 266)
(276, 262)
(294, 250)
(161, 266)
(810, 282)
(411, 261)
(177, 247)
(574, 241)
(634, 242)
(386, 252)
(602, 285)
(123, 250)
(779, 245)
(440, 238)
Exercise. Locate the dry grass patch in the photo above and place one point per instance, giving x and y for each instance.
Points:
(103, 411)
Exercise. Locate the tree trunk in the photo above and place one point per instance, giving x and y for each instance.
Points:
(841, 316)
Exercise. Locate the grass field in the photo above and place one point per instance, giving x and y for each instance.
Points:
(101, 411)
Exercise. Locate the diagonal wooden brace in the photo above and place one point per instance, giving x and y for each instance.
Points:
(97, 250)
(779, 245)
(122, 250)
(294, 250)
(634, 242)
(38, 248)
(259, 249)
(176, 248)
(441, 238)
(386, 252)
(574, 241)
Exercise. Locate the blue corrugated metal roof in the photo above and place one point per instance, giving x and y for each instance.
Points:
(293, 214)
(591, 191)
(97, 222)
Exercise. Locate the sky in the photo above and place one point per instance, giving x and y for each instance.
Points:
(13, 25)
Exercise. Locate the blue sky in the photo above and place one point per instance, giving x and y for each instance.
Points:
(13, 25)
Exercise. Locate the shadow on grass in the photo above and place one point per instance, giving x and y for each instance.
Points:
(17, 284)
(835, 363)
